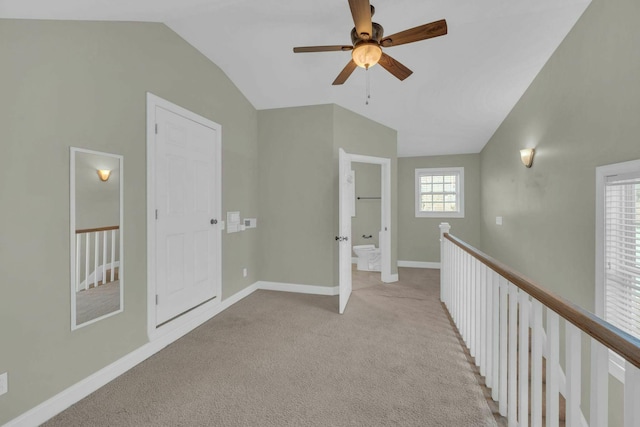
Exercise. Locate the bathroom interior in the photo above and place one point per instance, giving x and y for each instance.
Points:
(367, 216)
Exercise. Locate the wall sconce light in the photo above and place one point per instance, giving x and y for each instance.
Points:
(104, 174)
(526, 155)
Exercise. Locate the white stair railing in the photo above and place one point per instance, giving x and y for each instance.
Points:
(499, 313)
(97, 245)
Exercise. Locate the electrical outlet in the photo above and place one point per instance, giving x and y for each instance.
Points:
(244, 272)
(498, 220)
(4, 383)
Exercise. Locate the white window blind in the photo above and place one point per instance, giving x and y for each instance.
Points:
(622, 252)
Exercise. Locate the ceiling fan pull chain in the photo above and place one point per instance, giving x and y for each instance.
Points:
(368, 90)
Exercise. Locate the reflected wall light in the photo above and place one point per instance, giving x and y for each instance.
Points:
(526, 155)
(104, 174)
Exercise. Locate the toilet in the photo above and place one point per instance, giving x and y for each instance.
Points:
(368, 257)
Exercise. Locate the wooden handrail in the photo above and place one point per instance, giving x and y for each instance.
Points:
(599, 329)
(92, 230)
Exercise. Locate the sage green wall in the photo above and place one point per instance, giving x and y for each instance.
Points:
(419, 238)
(298, 187)
(84, 84)
(368, 213)
(358, 135)
(580, 112)
(296, 195)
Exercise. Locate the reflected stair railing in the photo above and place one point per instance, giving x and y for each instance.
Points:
(96, 249)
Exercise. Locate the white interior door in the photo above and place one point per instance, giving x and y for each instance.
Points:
(187, 231)
(345, 192)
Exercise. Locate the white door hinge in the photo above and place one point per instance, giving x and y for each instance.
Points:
(156, 128)
(156, 213)
(156, 299)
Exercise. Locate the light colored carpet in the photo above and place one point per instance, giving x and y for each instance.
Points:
(285, 359)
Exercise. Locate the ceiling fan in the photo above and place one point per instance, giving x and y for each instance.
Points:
(368, 40)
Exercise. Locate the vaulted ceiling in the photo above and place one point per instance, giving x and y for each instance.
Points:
(462, 87)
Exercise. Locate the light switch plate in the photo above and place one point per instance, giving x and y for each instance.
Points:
(498, 220)
(233, 222)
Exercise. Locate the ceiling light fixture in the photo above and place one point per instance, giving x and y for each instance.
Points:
(366, 54)
(104, 174)
(526, 155)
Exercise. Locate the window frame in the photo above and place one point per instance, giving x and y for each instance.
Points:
(459, 171)
(616, 362)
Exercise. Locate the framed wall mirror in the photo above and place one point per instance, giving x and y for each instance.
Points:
(97, 273)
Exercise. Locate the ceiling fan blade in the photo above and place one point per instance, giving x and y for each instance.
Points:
(361, 12)
(394, 67)
(321, 48)
(423, 32)
(345, 73)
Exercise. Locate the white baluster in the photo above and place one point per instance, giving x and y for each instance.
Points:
(104, 257)
(504, 290)
(482, 332)
(444, 270)
(631, 393)
(489, 328)
(495, 327)
(96, 254)
(512, 381)
(523, 379)
(470, 305)
(113, 254)
(599, 384)
(455, 268)
(78, 259)
(552, 412)
(87, 252)
(474, 309)
(464, 308)
(457, 272)
(573, 372)
(536, 363)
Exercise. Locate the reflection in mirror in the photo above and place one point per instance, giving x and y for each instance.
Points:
(96, 237)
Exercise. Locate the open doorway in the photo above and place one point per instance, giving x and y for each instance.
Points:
(366, 217)
(347, 204)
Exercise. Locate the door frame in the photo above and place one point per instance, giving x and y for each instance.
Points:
(385, 211)
(385, 216)
(189, 317)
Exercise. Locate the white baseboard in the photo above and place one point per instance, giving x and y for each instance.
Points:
(61, 401)
(418, 264)
(300, 289)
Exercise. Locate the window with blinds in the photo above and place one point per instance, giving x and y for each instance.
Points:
(617, 297)
(622, 252)
(439, 192)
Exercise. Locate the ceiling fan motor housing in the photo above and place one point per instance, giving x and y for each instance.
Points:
(377, 29)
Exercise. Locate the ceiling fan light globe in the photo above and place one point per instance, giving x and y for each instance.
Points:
(366, 54)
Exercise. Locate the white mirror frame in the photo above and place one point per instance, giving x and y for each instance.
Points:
(72, 234)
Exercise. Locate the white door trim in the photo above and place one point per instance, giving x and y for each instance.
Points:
(154, 332)
(385, 225)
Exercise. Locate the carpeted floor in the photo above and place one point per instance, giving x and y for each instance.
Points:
(285, 359)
